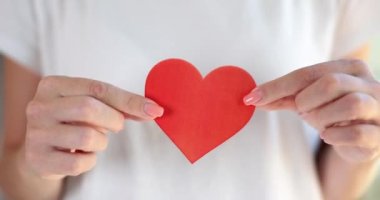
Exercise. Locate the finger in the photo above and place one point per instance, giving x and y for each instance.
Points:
(124, 101)
(134, 118)
(85, 110)
(351, 107)
(287, 103)
(68, 164)
(359, 135)
(294, 82)
(65, 110)
(63, 136)
(49, 163)
(99, 129)
(328, 88)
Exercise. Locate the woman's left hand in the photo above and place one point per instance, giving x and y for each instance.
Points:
(340, 98)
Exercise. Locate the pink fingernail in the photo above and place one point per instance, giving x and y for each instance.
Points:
(153, 110)
(254, 97)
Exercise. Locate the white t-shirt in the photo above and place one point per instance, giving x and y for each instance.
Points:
(118, 41)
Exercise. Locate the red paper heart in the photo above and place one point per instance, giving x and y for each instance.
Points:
(200, 114)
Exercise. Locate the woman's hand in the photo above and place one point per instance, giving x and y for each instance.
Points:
(68, 119)
(339, 98)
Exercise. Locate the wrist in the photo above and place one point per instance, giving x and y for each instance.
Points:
(19, 181)
(341, 178)
(352, 156)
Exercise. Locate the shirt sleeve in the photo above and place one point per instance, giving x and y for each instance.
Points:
(359, 20)
(18, 37)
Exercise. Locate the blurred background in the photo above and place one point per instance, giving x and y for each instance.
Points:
(374, 192)
(374, 62)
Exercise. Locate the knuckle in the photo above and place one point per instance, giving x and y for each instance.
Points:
(47, 83)
(74, 166)
(119, 123)
(356, 105)
(98, 89)
(87, 107)
(86, 138)
(104, 143)
(34, 110)
(331, 83)
(358, 65)
(104, 146)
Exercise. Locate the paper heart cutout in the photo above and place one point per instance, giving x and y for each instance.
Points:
(200, 113)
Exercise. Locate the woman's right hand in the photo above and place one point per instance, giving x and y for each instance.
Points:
(68, 119)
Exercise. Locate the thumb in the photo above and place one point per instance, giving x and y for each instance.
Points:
(286, 103)
(274, 93)
(259, 98)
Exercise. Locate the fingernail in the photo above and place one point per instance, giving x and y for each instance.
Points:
(153, 110)
(254, 97)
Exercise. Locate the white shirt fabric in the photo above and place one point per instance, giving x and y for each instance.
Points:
(118, 41)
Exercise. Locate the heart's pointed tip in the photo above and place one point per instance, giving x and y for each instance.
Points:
(192, 162)
(192, 159)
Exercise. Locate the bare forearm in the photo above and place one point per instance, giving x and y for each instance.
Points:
(344, 180)
(18, 182)
(16, 179)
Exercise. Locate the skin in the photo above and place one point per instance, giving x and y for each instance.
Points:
(341, 99)
(67, 121)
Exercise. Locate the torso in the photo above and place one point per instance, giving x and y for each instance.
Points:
(119, 41)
